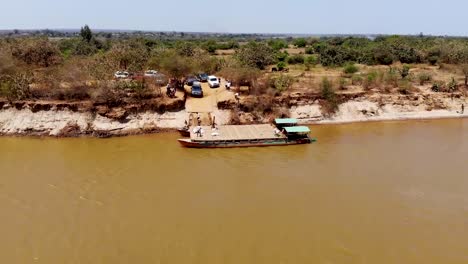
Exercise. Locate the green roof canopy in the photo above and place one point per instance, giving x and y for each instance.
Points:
(284, 121)
(297, 129)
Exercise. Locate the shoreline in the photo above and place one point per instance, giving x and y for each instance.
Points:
(63, 123)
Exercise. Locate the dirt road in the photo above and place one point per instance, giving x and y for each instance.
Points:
(207, 104)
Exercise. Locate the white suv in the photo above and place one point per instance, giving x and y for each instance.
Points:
(151, 73)
(121, 75)
(213, 81)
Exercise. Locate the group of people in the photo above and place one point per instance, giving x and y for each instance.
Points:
(198, 130)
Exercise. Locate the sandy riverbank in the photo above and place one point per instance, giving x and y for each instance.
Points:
(61, 123)
(367, 111)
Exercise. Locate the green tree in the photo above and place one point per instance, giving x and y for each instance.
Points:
(86, 34)
(255, 54)
(175, 65)
(300, 42)
(277, 44)
(383, 55)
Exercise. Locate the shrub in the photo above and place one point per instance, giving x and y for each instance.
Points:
(424, 78)
(309, 50)
(300, 42)
(370, 80)
(342, 84)
(15, 87)
(281, 65)
(327, 89)
(277, 44)
(330, 103)
(296, 59)
(282, 82)
(433, 60)
(391, 78)
(311, 60)
(437, 87)
(404, 71)
(350, 68)
(405, 87)
(452, 85)
(383, 56)
(356, 80)
(282, 56)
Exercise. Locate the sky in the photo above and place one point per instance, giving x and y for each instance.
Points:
(447, 17)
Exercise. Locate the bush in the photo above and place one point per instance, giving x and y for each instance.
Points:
(350, 68)
(296, 59)
(309, 50)
(437, 87)
(391, 78)
(300, 42)
(330, 105)
(281, 65)
(433, 60)
(424, 78)
(282, 82)
(282, 56)
(452, 85)
(356, 80)
(327, 89)
(370, 80)
(383, 56)
(404, 71)
(343, 84)
(405, 87)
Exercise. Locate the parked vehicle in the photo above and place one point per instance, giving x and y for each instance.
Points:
(202, 77)
(213, 81)
(121, 75)
(196, 90)
(151, 73)
(190, 80)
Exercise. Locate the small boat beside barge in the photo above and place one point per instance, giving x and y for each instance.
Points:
(283, 134)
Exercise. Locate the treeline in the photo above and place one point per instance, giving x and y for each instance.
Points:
(381, 50)
(59, 65)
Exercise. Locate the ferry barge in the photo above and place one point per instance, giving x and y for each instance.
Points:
(285, 132)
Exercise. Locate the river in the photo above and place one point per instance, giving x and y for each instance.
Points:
(394, 192)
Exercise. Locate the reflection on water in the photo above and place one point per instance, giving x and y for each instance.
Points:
(364, 193)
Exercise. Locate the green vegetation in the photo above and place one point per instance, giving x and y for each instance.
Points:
(350, 68)
(79, 65)
(330, 103)
(424, 78)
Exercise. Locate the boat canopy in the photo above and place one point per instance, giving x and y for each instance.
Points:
(284, 121)
(297, 129)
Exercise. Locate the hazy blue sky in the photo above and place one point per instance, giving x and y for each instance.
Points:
(447, 17)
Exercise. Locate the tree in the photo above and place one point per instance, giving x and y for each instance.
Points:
(277, 44)
(256, 54)
(185, 48)
(175, 65)
(129, 55)
(86, 34)
(40, 52)
(15, 87)
(300, 42)
(382, 55)
(240, 75)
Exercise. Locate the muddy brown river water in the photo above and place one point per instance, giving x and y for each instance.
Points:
(392, 192)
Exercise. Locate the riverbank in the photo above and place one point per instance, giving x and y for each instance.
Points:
(74, 122)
